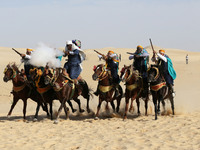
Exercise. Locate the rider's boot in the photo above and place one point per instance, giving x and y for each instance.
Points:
(171, 88)
(78, 86)
(116, 86)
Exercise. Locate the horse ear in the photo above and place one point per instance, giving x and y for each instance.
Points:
(94, 68)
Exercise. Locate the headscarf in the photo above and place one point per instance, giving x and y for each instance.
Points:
(162, 51)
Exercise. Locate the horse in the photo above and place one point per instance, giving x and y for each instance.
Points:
(22, 89)
(134, 88)
(105, 88)
(159, 90)
(64, 90)
(52, 74)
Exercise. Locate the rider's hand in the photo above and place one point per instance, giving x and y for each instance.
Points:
(22, 55)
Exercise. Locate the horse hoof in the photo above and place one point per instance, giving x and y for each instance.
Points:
(35, 119)
(8, 116)
(88, 110)
(74, 110)
(96, 118)
(55, 121)
(82, 110)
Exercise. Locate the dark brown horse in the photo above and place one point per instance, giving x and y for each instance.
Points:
(159, 90)
(64, 90)
(51, 76)
(22, 89)
(105, 88)
(134, 88)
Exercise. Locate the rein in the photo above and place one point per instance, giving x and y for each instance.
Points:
(157, 73)
(103, 74)
(130, 75)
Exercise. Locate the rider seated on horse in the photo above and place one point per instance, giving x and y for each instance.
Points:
(73, 65)
(140, 63)
(166, 68)
(112, 63)
(25, 59)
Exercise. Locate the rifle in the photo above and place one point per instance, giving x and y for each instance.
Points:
(130, 53)
(16, 51)
(100, 54)
(152, 46)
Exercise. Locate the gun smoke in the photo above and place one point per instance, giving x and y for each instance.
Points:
(44, 55)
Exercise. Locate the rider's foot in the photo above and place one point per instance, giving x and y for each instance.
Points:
(96, 93)
(173, 94)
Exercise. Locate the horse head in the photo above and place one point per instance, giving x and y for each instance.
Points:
(49, 76)
(127, 72)
(10, 72)
(153, 73)
(98, 71)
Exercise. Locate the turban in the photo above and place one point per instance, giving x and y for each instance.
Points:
(139, 46)
(29, 50)
(111, 52)
(162, 51)
(69, 42)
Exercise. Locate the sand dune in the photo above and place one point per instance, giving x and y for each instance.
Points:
(181, 131)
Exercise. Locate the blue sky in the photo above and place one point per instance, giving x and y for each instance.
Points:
(101, 23)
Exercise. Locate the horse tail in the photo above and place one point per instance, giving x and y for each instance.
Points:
(87, 92)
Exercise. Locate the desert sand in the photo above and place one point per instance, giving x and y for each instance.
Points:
(81, 131)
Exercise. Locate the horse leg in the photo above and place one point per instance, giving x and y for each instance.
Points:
(158, 109)
(172, 104)
(131, 106)
(66, 109)
(15, 100)
(118, 104)
(70, 104)
(45, 108)
(163, 104)
(138, 106)
(155, 107)
(126, 108)
(146, 105)
(113, 105)
(37, 110)
(59, 110)
(79, 105)
(88, 108)
(24, 109)
(98, 108)
(51, 109)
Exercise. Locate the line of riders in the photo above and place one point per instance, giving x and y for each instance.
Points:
(72, 68)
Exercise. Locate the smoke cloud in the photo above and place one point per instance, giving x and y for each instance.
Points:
(44, 55)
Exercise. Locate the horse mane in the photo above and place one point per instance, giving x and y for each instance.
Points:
(135, 72)
(13, 66)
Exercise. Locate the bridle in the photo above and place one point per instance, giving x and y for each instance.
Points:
(103, 74)
(157, 72)
(53, 78)
(14, 74)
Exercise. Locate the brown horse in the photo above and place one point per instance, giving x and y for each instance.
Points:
(159, 90)
(105, 88)
(133, 88)
(64, 90)
(22, 89)
(52, 74)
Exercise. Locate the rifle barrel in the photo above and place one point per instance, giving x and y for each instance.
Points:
(151, 44)
(16, 51)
